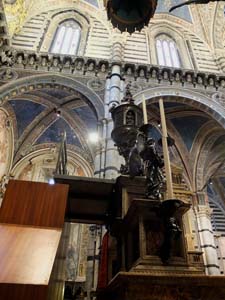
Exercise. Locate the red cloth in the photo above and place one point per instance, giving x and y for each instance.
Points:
(103, 269)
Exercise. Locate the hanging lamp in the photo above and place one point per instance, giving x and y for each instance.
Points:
(130, 15)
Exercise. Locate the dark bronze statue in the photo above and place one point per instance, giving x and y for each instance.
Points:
(136, 145)
(193, 2)
(171, 230)
(145, 160)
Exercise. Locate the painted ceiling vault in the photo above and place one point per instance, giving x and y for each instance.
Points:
(192, 130)
(47, 113)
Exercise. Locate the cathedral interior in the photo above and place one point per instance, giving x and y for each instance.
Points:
(63, 67)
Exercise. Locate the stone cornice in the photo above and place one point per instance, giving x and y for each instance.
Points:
(94, 67)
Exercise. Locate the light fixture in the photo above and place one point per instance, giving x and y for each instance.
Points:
(130, 15)
(93, 137)
(51, 181)
(57, 112)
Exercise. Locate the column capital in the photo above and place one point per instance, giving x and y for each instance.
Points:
(204, 210)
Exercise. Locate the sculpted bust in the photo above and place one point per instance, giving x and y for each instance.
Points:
(20, 59)
(129, 71)
(79, 65)
(154, 73)
(211, 81)
(177, 77)
(103, 68)
(91, 67)
(142, 73)
(44, 62)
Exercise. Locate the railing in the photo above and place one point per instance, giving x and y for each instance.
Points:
(62, 158)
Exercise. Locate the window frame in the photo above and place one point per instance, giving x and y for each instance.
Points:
(56, 19)
(185, 56)
(166, 56)
(64, 29)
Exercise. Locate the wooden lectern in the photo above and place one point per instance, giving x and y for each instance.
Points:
(31, 222)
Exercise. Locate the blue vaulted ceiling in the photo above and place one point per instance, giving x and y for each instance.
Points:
(53, 134)
(174, 105)
(188, 126)
(182, 12)
(26, 112)
(93, 2)
(87, 116)
(184, 118)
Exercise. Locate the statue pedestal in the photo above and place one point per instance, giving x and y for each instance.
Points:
(147, 249)
(136, 286)
(143, 243)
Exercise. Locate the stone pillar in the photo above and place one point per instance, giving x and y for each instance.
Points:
(113, 160)
(208, 247)
(107, 158)
(108, 161)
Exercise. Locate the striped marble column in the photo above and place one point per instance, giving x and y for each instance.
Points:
(207, 241)
(108, 161)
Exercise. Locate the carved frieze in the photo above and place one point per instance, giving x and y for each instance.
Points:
(95, 71)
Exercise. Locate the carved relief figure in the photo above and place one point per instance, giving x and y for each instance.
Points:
(154, 73)
(222, 83)
(19, 60)
(7, 75)
(31, 61)
(177, 77)
(142, 73)
(103, 68)
(189, 78)
(44, 61)
(79, 65)
(91, 67)
(165, 75)
(199, 80)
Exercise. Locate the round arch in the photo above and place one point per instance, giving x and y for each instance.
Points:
(192, 98)
(28, 167)
(177, 36)
(26, 84)
(58, 18)
(196, 100)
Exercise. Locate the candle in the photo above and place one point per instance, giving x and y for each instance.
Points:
(144, 110)
(169, 182)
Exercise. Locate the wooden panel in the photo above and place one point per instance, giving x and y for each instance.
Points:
(27, 254)
(34, 203)
(22, 292)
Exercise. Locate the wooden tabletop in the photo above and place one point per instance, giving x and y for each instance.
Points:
(27, 254)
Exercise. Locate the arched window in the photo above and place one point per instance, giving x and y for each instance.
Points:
(67, 38)
(167, 52)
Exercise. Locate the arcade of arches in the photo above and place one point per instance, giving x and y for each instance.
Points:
(45, 92)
